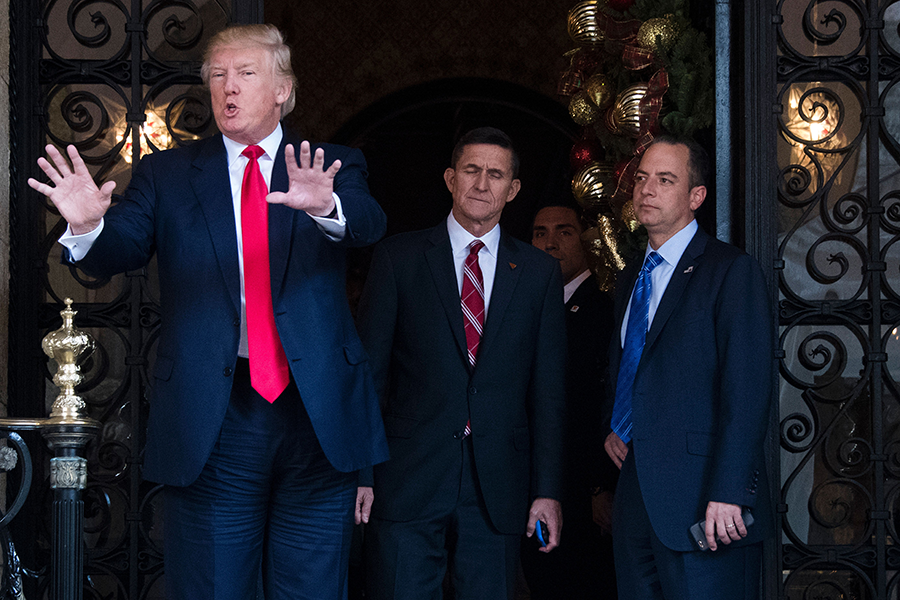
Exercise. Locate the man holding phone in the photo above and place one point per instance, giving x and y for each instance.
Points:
(465, 330)
(692, 371)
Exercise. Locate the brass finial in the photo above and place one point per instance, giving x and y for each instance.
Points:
(69, 347)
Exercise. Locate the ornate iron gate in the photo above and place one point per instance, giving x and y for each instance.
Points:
(837, 107)
(116, 79)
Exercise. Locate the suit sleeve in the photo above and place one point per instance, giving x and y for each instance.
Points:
(744, 339)
(366, 222)
(547, 393)
(378, 317)
(127, 241)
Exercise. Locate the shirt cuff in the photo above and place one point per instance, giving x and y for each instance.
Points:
(79, 245)
(334, 228)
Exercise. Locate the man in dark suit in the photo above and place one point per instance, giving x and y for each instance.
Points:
(691, 404)
(263, 406)
(474, 422)
(582, 567)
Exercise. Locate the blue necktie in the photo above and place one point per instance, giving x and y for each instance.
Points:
(635, 335)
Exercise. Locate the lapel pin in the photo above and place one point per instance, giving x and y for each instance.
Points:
(512, 265)
(574, 308)
(689, 269)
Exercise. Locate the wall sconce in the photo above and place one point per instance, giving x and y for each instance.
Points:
(813, 129)
(153, 131)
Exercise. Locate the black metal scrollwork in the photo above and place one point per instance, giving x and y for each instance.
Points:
(834, 22)
(14, 457)
(797, 432)
(838, 195)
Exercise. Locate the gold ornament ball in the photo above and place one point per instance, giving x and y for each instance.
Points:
(594, 185)
(582, 110)
(664, 27)
(600, 90)
(626, 113)
(610, 122)
(582, 23)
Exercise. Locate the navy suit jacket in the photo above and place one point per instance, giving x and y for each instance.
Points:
(178, 207)
(702, 391)
(411, 323)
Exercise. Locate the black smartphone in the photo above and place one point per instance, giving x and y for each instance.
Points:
(698, 529)
(543, 535)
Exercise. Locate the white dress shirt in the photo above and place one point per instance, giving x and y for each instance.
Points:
(671, 253)
(460, 239)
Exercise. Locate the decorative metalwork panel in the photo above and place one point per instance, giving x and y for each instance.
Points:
(838, 268)
(116, 79)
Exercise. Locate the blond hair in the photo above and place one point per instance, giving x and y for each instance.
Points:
(267, 37)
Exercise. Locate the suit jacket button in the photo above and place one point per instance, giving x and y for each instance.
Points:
(227, 371)
(236, 322)
(472, 390)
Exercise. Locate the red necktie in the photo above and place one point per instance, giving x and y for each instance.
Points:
(472, 299)
(269, 372)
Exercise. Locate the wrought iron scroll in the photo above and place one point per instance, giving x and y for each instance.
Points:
(838, 264)
(14, 458)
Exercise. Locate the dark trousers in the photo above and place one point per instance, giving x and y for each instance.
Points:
(646, 569)
(408, 560)
(267, 500)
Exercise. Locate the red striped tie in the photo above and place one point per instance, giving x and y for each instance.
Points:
(269, 371)
(473, 300)
(472, 305)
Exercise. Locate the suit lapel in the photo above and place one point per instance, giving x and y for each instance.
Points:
(683, 272)
(212, 188)
(505, 278)
(439, 257)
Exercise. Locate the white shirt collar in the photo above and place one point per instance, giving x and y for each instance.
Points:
(270, 145)
(460, 238)
(569, 288)
(674, 247)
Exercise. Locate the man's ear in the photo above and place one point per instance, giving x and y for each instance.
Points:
(697, 196)
(514, 188)
(449, 178)
(284, 91)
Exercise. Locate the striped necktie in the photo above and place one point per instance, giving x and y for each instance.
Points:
(472, 299)
(635, 335)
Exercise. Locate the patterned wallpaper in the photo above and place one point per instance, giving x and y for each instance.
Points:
(350, 53)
